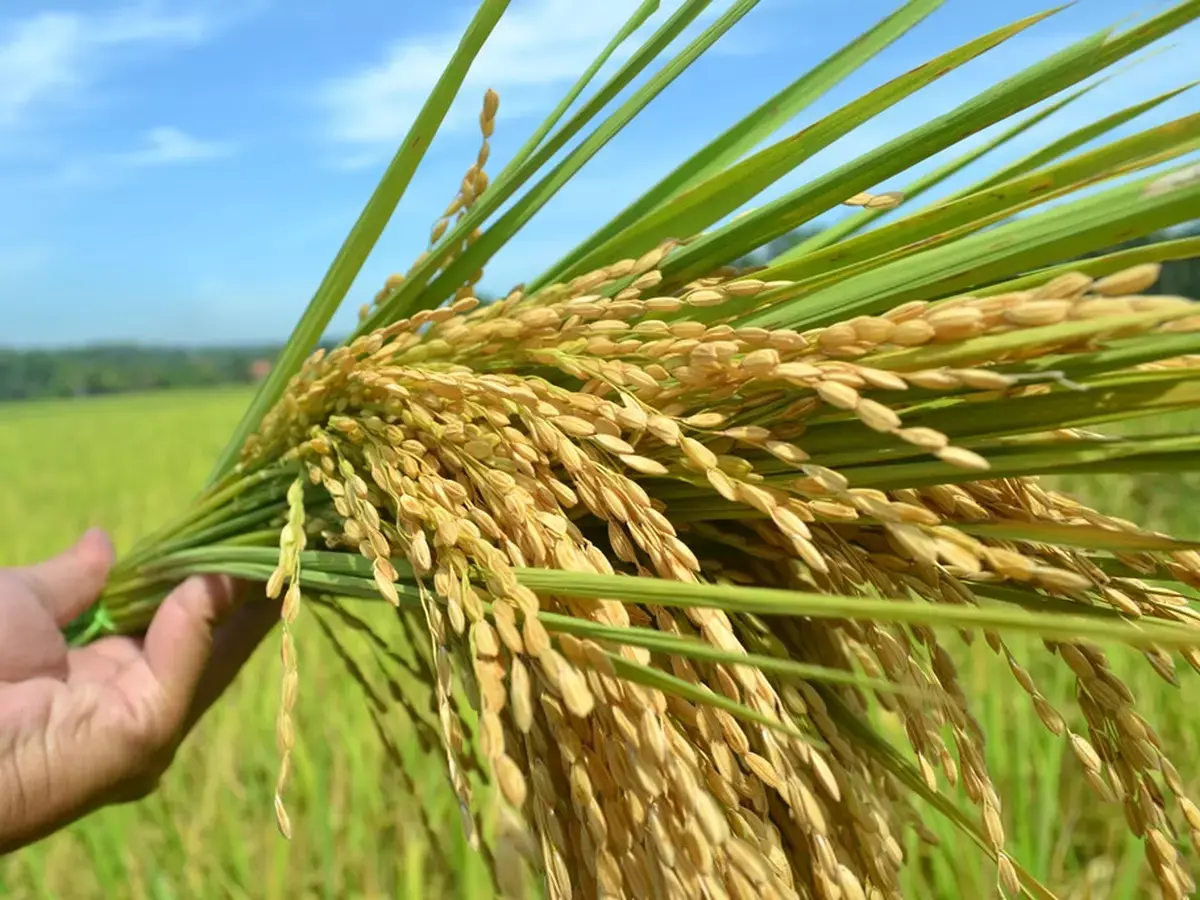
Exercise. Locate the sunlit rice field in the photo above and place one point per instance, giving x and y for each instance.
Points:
(126, 463)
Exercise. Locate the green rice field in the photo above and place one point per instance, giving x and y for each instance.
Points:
(127, 463)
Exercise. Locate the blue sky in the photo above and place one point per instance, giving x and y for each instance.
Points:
(182, 171)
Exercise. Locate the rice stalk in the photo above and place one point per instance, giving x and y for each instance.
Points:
(666, 537)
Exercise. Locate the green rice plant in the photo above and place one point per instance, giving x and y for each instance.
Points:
(674, 547)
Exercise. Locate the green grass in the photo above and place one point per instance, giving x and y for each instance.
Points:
(1077, 845)
(128, 463)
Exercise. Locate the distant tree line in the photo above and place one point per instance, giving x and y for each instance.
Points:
(112, 369)
(115, 369)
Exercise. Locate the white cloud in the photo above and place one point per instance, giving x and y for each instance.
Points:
(159, 147)
(37, 59)
(538, 45)
(54, 58)
(138, 24)
(167, 146)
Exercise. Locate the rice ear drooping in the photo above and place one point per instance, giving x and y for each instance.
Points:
(665, 535)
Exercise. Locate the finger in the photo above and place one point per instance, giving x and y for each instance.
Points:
(69, 583)
(233, 645)
(179, 642)
(31, 645)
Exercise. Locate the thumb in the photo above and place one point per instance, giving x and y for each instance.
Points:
(179, 642)
(69, 583)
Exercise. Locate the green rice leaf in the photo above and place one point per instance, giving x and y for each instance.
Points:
(1099, 266)
(1173, 453)
(636, 20)
(1032, 600)
(1118, 355)
(690, 648)
(647, 676)
(425, 288)
(1074, 140)
(728, 147)
(695, 209)
(1060, 409)
(950, 221)
(855, 223)
(1091, 537)
(366, 231)
(980, 422)
(1129, 210)
(772, 601)
(995, 346)
(1036, 83)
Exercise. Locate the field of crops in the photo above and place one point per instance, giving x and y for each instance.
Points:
(127, 463)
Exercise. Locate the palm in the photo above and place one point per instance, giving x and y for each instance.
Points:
(109, 678)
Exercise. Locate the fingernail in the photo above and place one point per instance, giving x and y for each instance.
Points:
(96, 545)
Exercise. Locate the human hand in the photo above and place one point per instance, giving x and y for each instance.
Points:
(88, 727)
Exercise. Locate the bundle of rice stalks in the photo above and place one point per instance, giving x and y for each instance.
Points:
(665, 537)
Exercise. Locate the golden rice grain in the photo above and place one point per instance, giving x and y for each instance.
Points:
(649, 446)
(1038, 312)
(913, 332)
(838, 395)
(962, 458)
(1133, 280)
(1065, 286)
